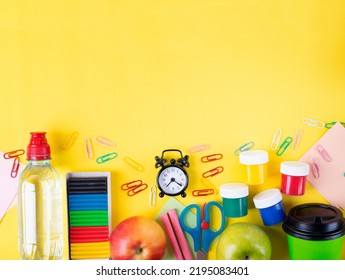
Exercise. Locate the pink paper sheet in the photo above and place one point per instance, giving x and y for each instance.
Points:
(8, 185)
(331, 180)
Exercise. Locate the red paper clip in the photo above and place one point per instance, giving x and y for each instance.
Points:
(134, 187)
(213, 172)
(15, 167)
(211, 157)
(323, 153)
(14, 154)
(203, 192)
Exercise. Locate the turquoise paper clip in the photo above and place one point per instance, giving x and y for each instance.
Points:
(286, 143)
(243, 148)
(106, 157)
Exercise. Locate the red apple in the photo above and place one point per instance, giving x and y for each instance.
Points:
(137, 238)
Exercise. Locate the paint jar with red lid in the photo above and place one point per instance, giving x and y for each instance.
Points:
(294, 177)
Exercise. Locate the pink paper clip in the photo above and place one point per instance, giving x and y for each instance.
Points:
(14, 154)
(199, 148)
(213, 172)
(323, 153)
(211, 158)
(15, 167)
(315, 167)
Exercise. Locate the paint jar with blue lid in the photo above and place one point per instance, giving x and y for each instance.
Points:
(235, 199)
(270, 205)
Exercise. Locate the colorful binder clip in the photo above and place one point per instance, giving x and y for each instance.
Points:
(245, 147)
(213, 172)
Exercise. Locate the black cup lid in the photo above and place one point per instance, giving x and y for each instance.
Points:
(314, 221)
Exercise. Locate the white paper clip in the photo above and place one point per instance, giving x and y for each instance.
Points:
(105, 141)
(297, 139)
(323, 153)
(153, 196)
(276, 139)
(313, 123)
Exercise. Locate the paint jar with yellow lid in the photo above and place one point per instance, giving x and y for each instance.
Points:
(256, 165)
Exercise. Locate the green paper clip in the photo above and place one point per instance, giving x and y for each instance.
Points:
(330, 124)
(286, 143)
(106, 157)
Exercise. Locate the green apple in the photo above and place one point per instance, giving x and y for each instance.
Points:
(243, 241)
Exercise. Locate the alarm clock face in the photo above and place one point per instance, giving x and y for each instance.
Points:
(172, 180)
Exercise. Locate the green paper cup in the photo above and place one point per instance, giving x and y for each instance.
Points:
(314, 232)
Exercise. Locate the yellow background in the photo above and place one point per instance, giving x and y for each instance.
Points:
(157, 74)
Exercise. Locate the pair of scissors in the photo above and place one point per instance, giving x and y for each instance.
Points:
(202, 233)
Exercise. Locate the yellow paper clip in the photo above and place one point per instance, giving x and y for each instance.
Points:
(330, 124)
(14, 154)
(106, 157)
(153, 196)
(203, 192)
(297, 139)
(314, 123)
(15, 167)
(105, 141)
(199, 148)
(315, 167)
(282, 148)
(207, 183)
(134, 164)
(88, 149)
(213, 172)
(323, 153)
(70, 141)
(276, 139)
(245, 147)
(211, 158)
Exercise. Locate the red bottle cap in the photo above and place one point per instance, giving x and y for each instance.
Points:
(38, 148)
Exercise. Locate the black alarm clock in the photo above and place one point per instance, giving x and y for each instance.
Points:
(172, 178)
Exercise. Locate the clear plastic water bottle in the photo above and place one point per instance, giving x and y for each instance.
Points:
(40, 232)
